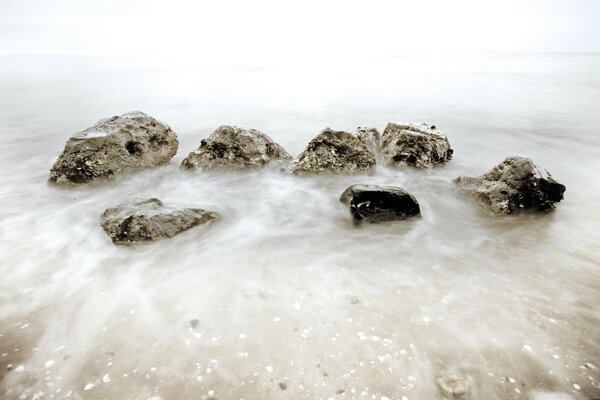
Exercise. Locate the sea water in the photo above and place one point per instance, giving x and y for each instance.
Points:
(285, 298)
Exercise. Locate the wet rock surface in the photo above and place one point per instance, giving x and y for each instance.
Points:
(130, 141)
(517, 182)
(374, 203)
(144, 220)
(337, 152)
(452, 385)
(415, 145)
(231, 147)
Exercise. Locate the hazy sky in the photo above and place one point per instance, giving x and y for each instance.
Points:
(285, 29)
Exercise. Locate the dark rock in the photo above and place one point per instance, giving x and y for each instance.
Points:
(146, 220)
(379, 203)
(414, 145)
(334, 152)
(231, 147)
(517, 182)
(282, 385)
(130, 141)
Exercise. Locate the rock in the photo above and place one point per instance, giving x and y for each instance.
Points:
(379, 203)
(149, 219)
(282, 385)
(113, 145)
(370, 137)
(452, 385)
(414, 145)
(517, 182)
(337, 152)
(230, 147)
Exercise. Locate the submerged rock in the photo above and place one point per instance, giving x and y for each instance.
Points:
(149, 219)
(517, 182)
(132, 140)
(414, 145)
(231, 147)
(379, 203)
(337, 152)
(452, 385)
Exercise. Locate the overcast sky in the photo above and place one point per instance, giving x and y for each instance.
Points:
(278, 28)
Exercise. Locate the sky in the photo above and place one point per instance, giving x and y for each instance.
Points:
(274, 29)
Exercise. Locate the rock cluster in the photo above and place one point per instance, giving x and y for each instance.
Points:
(374, 203)
(132, 140)
(338, 152)
(413, 145)
(149, 219)
(517, 182)
(231, 147)
(135, 140)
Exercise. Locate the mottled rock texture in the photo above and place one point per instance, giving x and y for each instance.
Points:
(144, 220)
(130, 141)
(374, 203)
(517, 182)
(336, 152)
(452, 385)
(415, 145)
(231, 147)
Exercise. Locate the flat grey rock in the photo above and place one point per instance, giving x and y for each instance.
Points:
(374, 203)
(131, 141)
(452, 385)
(415, 145)
(144, 220)
(231, 147)
(335, 152)
(517, 182)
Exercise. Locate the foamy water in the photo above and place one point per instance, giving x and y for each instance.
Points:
(284, 298)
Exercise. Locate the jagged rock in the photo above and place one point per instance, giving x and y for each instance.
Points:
(414, 145)
(517, 182)
(452, 385)
(370, 137)
(231, 147)
(113, 145)
(374, 203)
(334, 152)
(149, 219)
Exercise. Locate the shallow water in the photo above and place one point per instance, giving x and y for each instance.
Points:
(285, 292)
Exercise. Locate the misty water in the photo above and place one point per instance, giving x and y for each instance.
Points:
(285, 298)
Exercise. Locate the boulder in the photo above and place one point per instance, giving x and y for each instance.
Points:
(231, 147)
(144, 220)
(415, 145)
(336, 152)
(374, 203)
(517, 182)
(130, 141)
(452, 385)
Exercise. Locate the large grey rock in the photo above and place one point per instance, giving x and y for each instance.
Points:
(374, 203)
(337, 152)
(149, 219)
(517, 182)
(452, 385)
(132, 140)
(414, 145)
(231, 147)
